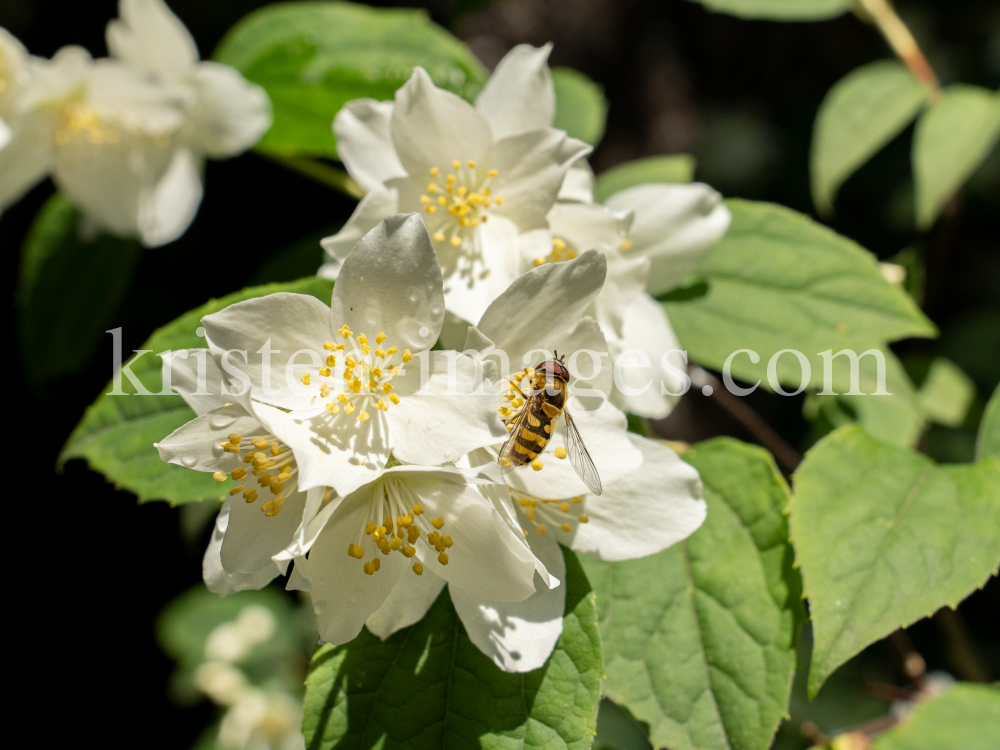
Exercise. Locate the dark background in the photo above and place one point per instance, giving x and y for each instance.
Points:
(93, 568)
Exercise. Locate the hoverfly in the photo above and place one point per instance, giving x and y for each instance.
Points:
(531, 428)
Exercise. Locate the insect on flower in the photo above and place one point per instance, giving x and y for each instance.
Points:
(531, 427)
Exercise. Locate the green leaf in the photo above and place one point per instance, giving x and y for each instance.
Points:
(946, 393)
(428, 686)
(699, 640)
(672, 168)
(952, 138)
(988, 442)
(581, 109)
(897, 419)
(778, 280)
(62, 275)
(311, 58)
(780, 10)
(863, 111)
(117, 433)
(617, 729)
(961, 718)
(883, 537)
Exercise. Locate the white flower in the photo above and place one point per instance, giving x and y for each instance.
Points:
(479, 175)
(410, 519)
(643, 512)
(653, 236)
(345, 371)
(125, 138)
(22, 162)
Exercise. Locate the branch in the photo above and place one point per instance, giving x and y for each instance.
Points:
(338, 179)
(903, 44)
(763, 433)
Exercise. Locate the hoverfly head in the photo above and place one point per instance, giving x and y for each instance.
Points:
(554, 367)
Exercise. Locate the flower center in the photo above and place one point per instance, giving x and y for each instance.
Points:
(366, 378)
(76, 119)
(560, 252)
(393, 528)
(458, 202)
(559, 513)
(271, 464)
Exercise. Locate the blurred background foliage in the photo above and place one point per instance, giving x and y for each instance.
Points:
(740, 96)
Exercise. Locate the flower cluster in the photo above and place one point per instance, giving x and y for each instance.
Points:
(368, 459)
(124, 137)
(503, 192)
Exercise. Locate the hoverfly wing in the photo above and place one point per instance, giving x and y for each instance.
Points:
(506, 457)
(579, 457)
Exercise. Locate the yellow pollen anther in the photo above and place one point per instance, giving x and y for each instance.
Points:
(583, 519)
(259, 443)
(577, 499)
(236, 490)
(271, 508)
(407, 356)
(438, 236)
(220, 476)
(349, 409)
(331, 361)
(418, 568)
(235, 438)
(363, 416)
(324, 372)
(498, 200)
(305, 379)
(540, 529)
(451, 178)
(626, 245)
(492, 173)
(566, 527)
(537, 465)
(455, 241)
(250, 495)
(564, 506)
(418, 509)
(472, 164)
(442, 200)
(382, 405)
(558, 244)
(355, 550)
(425, 199)
(538, 262)
(443, 558)
(456, 164)
(434, 171)
(239, 473)
(391, 350)
(438, 522)
(344, 331)
(328, 345)
(432, 187)
(560, 452)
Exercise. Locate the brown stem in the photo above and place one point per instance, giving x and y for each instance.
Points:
(960, 647)
(764, 434)
(903, 44)
(912, 663)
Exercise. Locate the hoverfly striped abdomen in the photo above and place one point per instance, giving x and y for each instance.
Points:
(533, 433)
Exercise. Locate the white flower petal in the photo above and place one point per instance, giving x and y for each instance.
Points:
(643, 512)
(472, 283)
(545, 301)
(286, 323)
(195, 376)
(149, 36)
(27, 157)
(229, 114)
(675, 225)
(406, 604)
(217, 580)
(440, 415)
(590, 226)
(167, 209)
(375, 206)
(364, 142)
(627, 279)
(531, 168)
(579, 183)
(314, 520)
(253, 538)
(432, 127)
(607, 440)
(343, 595)
(486, 557)
(328, 453)
(518, 636)
(391, 283)
(520, 95)
(198, 444)
(645, 327)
